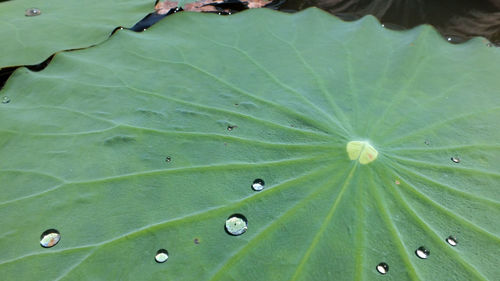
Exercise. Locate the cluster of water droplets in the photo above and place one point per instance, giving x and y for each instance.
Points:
(237, 224)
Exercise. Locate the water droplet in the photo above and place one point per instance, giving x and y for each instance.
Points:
(452, 240)
(230, 128)
(449, 39)
(31, 12)
(427, 142)
(258, 185)
(489, 45)
(5, 99)
(236, 224)
(455, 159)
(422, 252)
(382, 268)
(50, 238)
(196, 241)
(168, 159)
(161, 256)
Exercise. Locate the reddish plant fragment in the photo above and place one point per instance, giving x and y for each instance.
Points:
(206, 6)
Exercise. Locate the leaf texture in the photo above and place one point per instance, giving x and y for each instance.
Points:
(152, 140)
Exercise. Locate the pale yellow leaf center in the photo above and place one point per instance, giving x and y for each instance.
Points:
(361, 151)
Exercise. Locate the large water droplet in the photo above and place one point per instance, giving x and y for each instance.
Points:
(452, 240)
(422, 252)
(258, 185)
(455, 159)
(31, 12)
(383, 268)
(50, 238)
(5, 99)
(236, 224)
(161, 256)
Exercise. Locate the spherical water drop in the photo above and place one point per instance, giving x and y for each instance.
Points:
(452, 240)
(161, 256)
(455, 159)
(31, 12)
(168, 159)
(5, 99)
(258, 185)
(383, 268)
(236, 224)
(422, 252)
(50, 238)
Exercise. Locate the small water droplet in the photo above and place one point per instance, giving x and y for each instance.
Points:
(427, 142)
(31, 12)
(383, 268)
(50, 238)
(5, 99)
(161, 256)
(449, 39)
(230, 128)
(258, 185)
(489, 45)
(455, 159)
(196, 241)
(452, 240)
(422, 252)
(168, 159)
(236, 224)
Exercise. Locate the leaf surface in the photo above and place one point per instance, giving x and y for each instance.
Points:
(61, 25)
(152, 140)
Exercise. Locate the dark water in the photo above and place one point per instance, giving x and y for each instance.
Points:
(458, 19)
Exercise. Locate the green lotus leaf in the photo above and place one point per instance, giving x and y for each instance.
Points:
(237, 148)
(32, 30)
